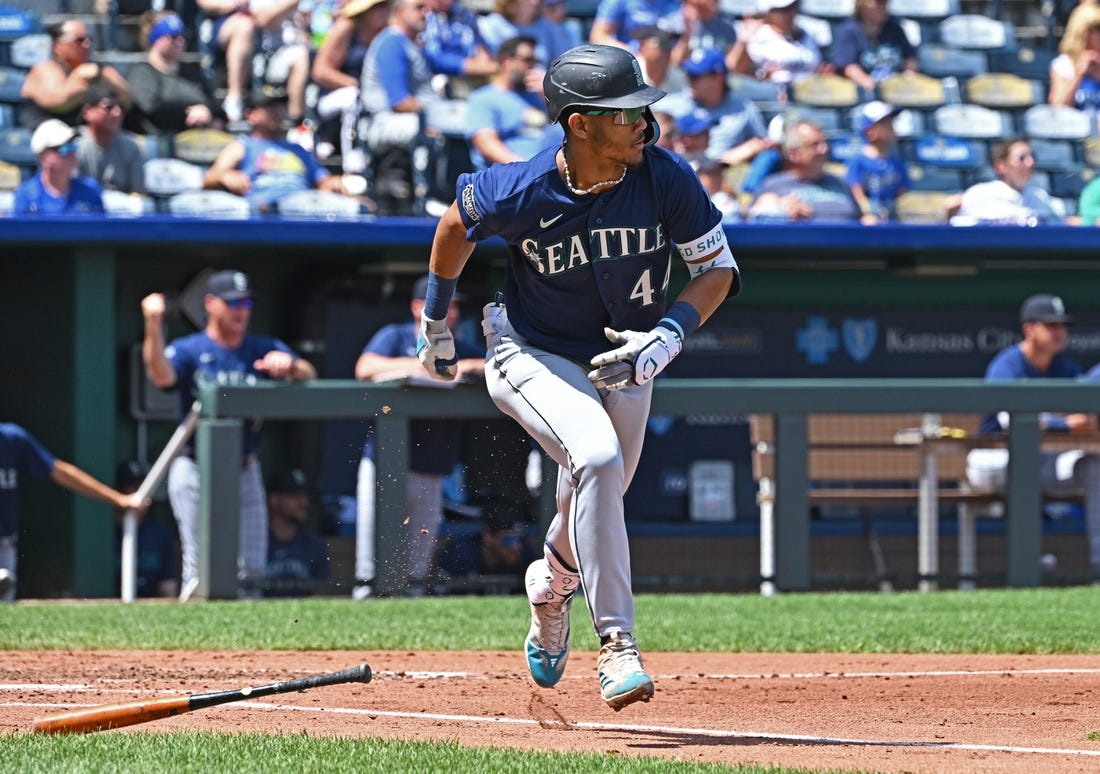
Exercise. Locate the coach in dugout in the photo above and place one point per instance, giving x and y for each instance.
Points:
(224, 352)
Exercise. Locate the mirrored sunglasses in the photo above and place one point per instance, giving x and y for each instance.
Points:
(623, 117)
(66, 149)
(239, 303)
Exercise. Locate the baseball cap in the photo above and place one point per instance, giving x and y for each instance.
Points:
(98, 92)
(229, 285)
(168, 26)
(869, 114)
(763, 6)
(695, 122)
(289, 481)
(51, 133)
(420, 291)
(1044, 308)
(267, 94)
(705, 60)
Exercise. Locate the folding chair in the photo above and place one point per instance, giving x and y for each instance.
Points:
(216, 205)
(973, 31)
(973, 122)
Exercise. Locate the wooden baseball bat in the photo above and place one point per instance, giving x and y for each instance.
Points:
(128, 713)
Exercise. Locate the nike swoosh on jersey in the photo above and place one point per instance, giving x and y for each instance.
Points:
(547, 223)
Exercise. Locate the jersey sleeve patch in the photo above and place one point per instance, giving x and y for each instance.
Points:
(709, 251)
(469, 203)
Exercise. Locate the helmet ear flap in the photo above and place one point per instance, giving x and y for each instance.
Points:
(652, 129)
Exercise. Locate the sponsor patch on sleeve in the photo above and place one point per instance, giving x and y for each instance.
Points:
(710, 251)
(468, 203)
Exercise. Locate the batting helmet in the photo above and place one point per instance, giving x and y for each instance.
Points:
(598, 76)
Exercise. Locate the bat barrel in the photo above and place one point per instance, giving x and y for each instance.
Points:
(101, 718)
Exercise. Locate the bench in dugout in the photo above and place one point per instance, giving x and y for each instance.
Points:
(872, 465)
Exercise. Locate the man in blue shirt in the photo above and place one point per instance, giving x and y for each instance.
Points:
(297, 557)
(54, 190)
(1040, 355)
(21, 455)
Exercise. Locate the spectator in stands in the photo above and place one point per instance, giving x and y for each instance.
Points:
(433, 446)
(776, 48)
(54, 88)
(338, 66)
(505, 21)
(104, 152)
(55, 190)
(872, 45)
(553, 30)
(285, 51)
(712, 174)
(396, 87)
(666, 129)
(877, 174)
(505, 119)
(297, 557)
(1075, 72)
(23, 457)
(156, 571)
(803, 191)
(738, 133)
(768, 161)
(232, 40)
(454, 48)
(1041, 355)
(701, 24)
(693, 134)
(655, 58)
(616, 20)
(1088, 206)
(263, 166)
(1014, 197)
(166, 99)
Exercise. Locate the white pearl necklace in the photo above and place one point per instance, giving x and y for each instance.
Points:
(590, 189)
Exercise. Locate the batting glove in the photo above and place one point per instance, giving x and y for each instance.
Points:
(435, 348)
(640, 358)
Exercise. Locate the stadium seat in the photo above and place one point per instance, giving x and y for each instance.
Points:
(732, 8)
(921, 207)
(318, 205)
(973, 31)
(119, 204)
(819, 29)
(764, 93)
(10, 176)
(827, 118)
(973, 122)
(1068, 185)
(936, 178)
(217, 205)
(844, 147)
(29, 50)
(7, 203)
(1054, 155)
(912, 90)
(1003, 91)
(1025, 61)
(825, 90)
(828, 9)
(913, 31)
(8, 116)
(944, 62)
(925, 10)
(1090, 150)
(1057, 122)
(200, 146)
(11, 83)
(935, 150)
(168, 177)
(16, 22)
(15, 147)
(908, 123)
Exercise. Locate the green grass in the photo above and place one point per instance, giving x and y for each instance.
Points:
(1059, 620)
(995, 621)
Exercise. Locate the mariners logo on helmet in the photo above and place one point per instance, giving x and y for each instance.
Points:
(596, 76)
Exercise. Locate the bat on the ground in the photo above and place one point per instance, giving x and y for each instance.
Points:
(129, 713)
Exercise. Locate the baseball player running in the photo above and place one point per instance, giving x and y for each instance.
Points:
(584, 328)
(224, 352)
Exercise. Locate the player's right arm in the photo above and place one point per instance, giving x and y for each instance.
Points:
(158, 368)
(450, 247)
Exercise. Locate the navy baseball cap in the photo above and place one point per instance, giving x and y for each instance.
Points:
(229, 285)
(1044, 308)
(705, 60)
(289, 481)
(695, 122)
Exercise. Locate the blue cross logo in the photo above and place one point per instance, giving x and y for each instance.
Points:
(817, 340)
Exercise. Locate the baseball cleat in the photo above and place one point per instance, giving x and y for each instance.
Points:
(547, 644)
(623, 679)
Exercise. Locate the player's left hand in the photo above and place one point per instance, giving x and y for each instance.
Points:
(640, 358)
(276, 364)
(435, 349)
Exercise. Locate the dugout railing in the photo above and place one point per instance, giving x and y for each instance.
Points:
(789, 401)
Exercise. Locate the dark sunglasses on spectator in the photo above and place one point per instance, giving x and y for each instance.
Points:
(66, 149)
(1022, 157)
(239, 303)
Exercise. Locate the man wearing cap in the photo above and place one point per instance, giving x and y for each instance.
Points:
(1040, 355)
(433, 447)
(54, 190)
(104, 151)
(778, 49)
(701, 24)
(738, 133)
(167, 98)
(224, 352)
(877, 174)
(297, 557)
(263, 165)
(655, 58)
(1014, 198)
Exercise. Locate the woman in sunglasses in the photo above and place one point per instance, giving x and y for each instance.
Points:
(54, 190)
(55, 87)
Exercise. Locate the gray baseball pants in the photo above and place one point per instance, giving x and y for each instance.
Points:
(424, 498)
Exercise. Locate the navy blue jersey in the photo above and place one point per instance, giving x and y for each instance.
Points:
(1010, 364)
(580, 263)
(295, 566)
(20, 454)
(198, 358)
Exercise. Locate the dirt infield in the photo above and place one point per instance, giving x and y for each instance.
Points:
(889, 713)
